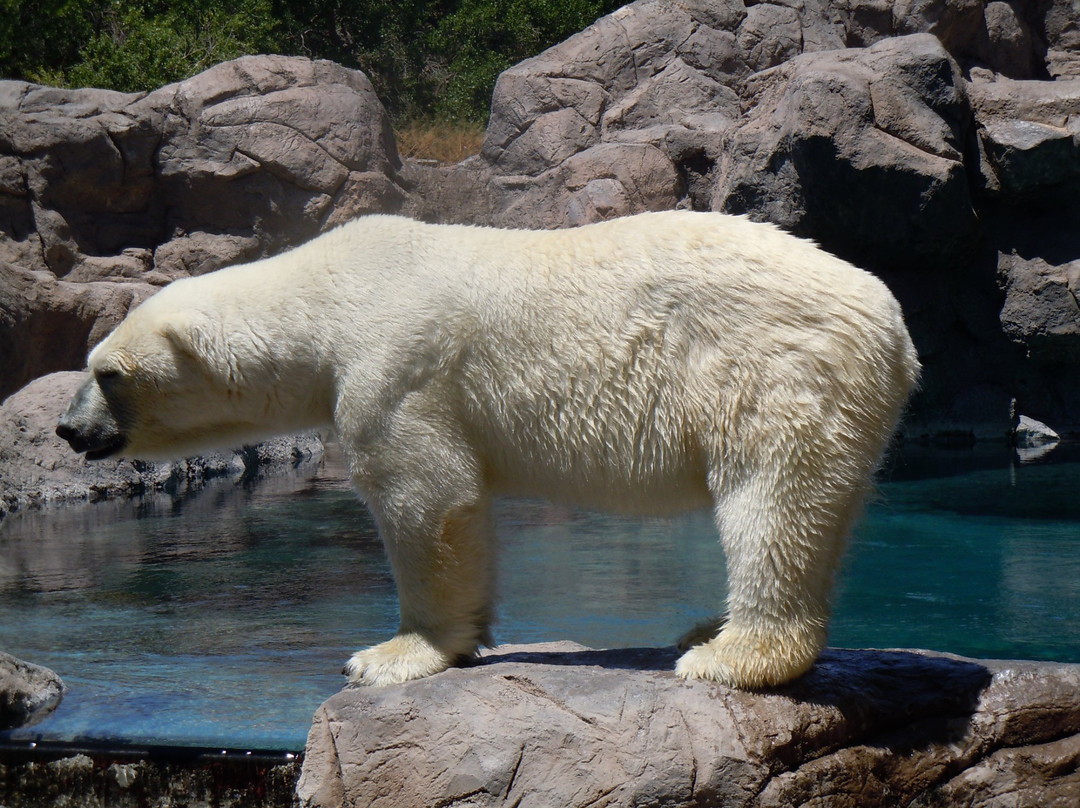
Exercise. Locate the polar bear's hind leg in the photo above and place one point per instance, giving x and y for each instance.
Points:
(784, 511)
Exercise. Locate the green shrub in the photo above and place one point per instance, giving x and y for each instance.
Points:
(428, 59)
(143, 45)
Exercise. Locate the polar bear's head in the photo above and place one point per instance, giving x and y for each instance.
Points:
(166, 383)
(148, 392)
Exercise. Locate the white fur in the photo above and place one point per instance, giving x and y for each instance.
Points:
(650, 364)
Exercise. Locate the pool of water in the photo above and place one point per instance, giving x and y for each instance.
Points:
(224, 618)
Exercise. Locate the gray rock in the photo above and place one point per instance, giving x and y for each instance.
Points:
(562, 725)
(862, 149)
(1042, 308)
(1031, 434)
(38, 468)
(28, 692)
(106, 196)
(1029, 132)
(49, 324)
(1061, 24)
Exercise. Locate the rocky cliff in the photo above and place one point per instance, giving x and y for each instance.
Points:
(935, 142)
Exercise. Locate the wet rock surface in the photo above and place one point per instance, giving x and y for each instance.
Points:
(28, 692)
(558, 724)
(38, 468)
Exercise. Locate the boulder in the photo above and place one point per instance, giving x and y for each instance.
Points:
(49, 324)
(881, 104)
(38, 468)
(28, 692)
(559, 724)
(1042, 308)
(1061, 27)
(861, 149)
(106, 196)
(1029, 133)
(1032, 434)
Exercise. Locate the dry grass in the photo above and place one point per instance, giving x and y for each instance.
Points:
(439, 141)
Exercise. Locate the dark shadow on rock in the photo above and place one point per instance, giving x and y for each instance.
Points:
(923, 693)
(636, 659)
(840, 676)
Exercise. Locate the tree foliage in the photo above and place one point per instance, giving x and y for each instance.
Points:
(427, 58)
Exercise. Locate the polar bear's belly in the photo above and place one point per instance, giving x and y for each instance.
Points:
(607, 461)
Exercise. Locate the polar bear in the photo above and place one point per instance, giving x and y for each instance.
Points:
(650, 364)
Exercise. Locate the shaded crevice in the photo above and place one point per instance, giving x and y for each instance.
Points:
(696, 171)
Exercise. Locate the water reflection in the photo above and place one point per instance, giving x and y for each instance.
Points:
(224, 618)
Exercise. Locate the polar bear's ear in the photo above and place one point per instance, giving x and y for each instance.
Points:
(190, 337)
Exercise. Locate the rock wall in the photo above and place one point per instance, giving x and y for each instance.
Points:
(935, 142)
(105, 196)
(562, 725)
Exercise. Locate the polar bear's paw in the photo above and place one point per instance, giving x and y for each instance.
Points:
(405, 657)
(751, 660)
(701, 633)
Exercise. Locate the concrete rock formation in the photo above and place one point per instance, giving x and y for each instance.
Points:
(28, 692)
(559, 724)
(934, 142)
(105, 196)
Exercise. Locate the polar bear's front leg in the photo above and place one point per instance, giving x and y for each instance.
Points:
(444, 567)
(409, 655)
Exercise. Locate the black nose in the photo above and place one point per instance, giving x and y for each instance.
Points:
(65, 431)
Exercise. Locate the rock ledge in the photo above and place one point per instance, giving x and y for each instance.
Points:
(28, 692)
(563, 725)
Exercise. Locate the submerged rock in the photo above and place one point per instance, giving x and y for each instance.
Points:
(559, 724)
(1030, 434)
(28, 692)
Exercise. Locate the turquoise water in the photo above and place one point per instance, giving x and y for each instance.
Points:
(224, 618)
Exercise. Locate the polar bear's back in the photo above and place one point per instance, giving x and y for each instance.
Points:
(616, 357)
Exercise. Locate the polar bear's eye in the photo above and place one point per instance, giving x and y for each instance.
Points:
(106, 374)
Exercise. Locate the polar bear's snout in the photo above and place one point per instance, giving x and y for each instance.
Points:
(89, 424)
